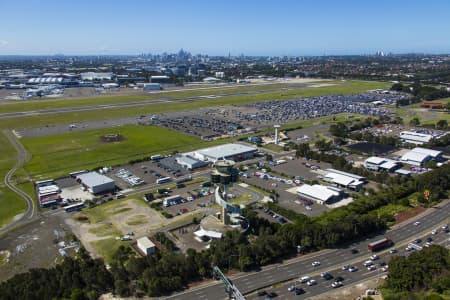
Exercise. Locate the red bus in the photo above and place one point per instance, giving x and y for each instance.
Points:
(380, 244)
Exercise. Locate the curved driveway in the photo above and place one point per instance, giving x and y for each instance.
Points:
(22, 157)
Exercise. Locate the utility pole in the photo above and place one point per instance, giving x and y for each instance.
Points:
(230, 288)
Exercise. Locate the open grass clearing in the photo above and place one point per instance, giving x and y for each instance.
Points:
(107, 229)
(241, 199)
(136, 220)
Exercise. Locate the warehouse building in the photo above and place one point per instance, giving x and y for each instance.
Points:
(190, 163)
(421, 136)
(375, 163)
(152, 87)
(320, 194)
(418, 156)
(235, 152)
(345, 179)
(146, 246)
(96, 183)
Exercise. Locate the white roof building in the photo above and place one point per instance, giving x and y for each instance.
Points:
(415, 137)
(318, 193)
(208, 233)
(146, 246)
(236, 152)
(380, 163)
(418, 156)
(344, 180)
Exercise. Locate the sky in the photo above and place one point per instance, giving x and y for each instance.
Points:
(216, 27)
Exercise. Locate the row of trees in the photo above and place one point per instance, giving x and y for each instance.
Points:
(419, 92)
(425, 270)
(76, 278)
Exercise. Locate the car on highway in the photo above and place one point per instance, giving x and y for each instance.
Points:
(291, 288)
(354, 251)
(417, 223)
(326, 275)
(417, 241)
(353, 269)
(428, 244)
(261, 293)
(393, 251)
(299, 291)
(345, 267)
(304, 279)
(429, 239)
(385, 268)
(435, 231)
(371, 268)
(367, 263)
(336, 284)
(311, 282)
(315, 263)
(374, 257)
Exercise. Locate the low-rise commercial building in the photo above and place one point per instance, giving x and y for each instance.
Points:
(319, 193)
(375, 163)
(96, 183)
(344, 179)
(235, 152)
(190, 163)
(418, 156)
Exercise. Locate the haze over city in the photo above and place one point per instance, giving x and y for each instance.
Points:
(221, 27)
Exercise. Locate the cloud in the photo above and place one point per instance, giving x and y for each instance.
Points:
(3, 43)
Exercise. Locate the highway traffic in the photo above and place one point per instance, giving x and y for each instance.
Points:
(330, 261)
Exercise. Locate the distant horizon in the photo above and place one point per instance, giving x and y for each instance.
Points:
(253, 27)
(386, 53)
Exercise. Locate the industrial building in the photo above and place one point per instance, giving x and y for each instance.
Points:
(320, 194)
(96, 76)
(375, 163)
(420, 137)
(235, 152)
(419, 156)
(96, 183)
(146, 246)
(190, 163)
(344, 179)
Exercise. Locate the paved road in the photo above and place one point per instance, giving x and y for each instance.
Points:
(22, 157)
(330, 259)
(135, 103)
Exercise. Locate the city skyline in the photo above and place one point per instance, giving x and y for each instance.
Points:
(253, 28)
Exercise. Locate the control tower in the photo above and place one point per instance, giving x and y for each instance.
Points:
(277, 135)
(225, 174)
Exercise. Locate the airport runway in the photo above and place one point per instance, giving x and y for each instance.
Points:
(331, 260)
(136, 103)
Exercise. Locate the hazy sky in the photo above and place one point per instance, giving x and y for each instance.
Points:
(278, 27)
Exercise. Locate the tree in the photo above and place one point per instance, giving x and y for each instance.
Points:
(442, 124)
(414, 122)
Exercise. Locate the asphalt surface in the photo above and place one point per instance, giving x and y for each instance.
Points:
(330, 260)
(134, 104)
(22, 157)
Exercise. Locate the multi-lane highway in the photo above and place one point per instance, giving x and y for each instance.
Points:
(330, 260)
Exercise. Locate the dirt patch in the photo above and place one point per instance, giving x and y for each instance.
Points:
(112, 138)
(405, 215)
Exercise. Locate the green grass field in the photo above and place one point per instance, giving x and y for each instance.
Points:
(59, 154)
